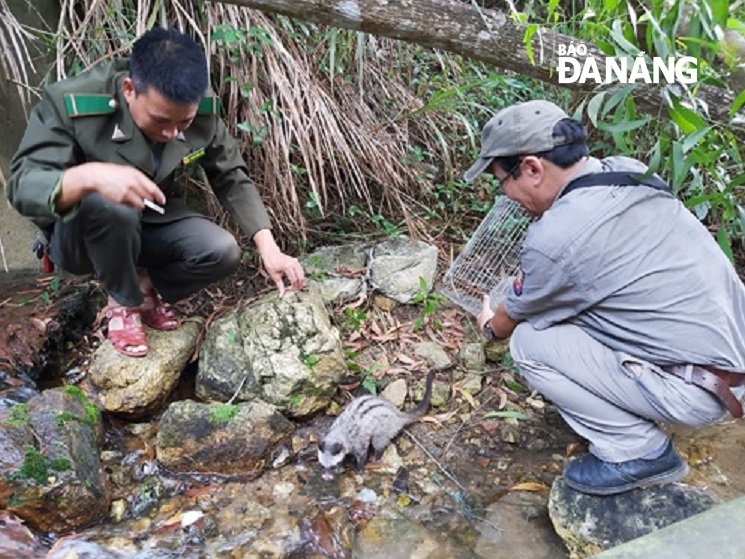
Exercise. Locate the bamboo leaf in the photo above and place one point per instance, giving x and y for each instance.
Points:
(737, 103)
(620, 127)
(593, 107)
(528, 41)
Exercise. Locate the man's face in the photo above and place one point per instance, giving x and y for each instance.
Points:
(157, 117)
(525, 189)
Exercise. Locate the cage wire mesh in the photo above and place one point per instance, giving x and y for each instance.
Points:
(490, 260)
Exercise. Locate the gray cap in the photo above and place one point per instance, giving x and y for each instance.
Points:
(521, 129)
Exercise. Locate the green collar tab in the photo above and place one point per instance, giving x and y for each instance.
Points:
(82, 104)
(209, 106)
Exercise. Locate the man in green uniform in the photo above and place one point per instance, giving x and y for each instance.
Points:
(98, 169)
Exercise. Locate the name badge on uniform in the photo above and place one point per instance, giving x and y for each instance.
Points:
(193, 156)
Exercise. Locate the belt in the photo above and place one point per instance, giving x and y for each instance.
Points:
(716, 381)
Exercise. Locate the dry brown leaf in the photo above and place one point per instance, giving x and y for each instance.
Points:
(529, 486)
(440, 417)
(40, 324)
(201, 491)
(358, 302)
(175, 519)
(405, 359)
(432, 419)
(466, 396)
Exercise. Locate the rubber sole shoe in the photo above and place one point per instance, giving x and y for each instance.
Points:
(589, 474)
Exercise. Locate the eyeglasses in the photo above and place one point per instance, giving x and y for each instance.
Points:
(515, 167)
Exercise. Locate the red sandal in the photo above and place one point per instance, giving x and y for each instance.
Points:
(125, 331)
(158, 314)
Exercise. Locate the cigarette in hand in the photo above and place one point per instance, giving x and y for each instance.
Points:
(153, 206)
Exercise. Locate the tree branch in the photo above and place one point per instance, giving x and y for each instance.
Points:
(487, 35)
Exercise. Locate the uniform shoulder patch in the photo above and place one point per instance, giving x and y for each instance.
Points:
(209, 106)
(89, 104)
(517, 285)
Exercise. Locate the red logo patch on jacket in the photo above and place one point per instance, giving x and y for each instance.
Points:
(517, 285)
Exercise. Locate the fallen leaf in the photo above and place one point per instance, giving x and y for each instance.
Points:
(529, 486)
(506, 414)
(40, 324)
(405, 359)
(200, 491)
(466, 396)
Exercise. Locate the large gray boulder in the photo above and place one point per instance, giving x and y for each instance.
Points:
(399, 266)
(589, 524)
(281, 350)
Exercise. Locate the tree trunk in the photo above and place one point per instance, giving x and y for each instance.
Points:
(487, 35)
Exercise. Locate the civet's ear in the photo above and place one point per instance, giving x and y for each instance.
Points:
(335, 448)
(322, 445)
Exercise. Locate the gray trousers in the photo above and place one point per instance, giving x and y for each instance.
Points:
(612, 399)
(111, 241)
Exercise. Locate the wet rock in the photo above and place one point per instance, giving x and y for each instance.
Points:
(16, 540)
(220, 438)
(391, 536)
(517, 525)
(49, 448)
(280, 350)
(398, 266)
(137, 387)
(339, 271)
(81, 549)
(589, 524)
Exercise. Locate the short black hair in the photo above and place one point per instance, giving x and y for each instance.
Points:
(563, 156)
(172, 63)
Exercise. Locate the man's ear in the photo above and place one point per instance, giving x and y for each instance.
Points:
(533, 167)
(128, 88)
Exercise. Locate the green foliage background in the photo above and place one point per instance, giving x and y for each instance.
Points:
(350, 135)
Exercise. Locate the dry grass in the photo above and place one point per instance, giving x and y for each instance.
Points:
(16, 60)
(326, 117)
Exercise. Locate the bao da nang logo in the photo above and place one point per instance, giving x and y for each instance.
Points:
(574, 66)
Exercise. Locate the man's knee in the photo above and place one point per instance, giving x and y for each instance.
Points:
(223, 255)
(522, 342)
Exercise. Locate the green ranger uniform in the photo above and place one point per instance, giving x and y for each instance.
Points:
(86, 119)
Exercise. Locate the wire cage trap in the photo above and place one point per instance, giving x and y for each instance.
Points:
(490, 260)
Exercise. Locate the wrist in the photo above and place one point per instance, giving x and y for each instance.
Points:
(488, 332)
(264, 241)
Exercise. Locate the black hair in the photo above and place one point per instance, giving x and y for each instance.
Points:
(172, 63)
(564, 156)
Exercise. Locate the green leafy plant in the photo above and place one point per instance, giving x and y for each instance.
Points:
(369, 384)
(430, 302)
(353, 319)
(701, 160)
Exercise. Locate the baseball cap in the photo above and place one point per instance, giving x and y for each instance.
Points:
(521, 129)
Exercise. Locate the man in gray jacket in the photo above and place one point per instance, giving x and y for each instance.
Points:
(625, 311)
